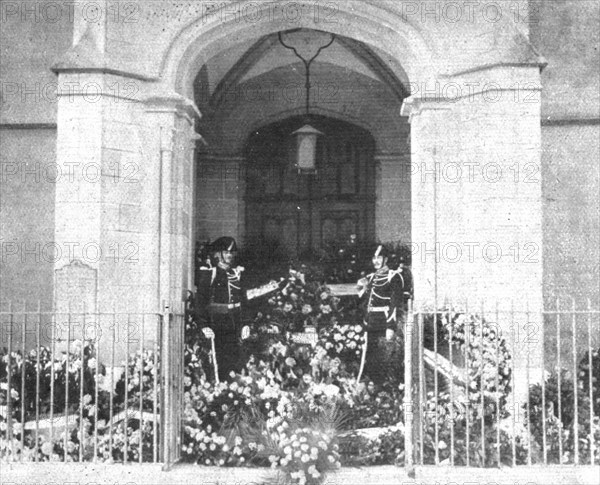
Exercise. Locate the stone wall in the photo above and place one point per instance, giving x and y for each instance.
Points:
(31, 42)
(27, 195)
(566, 33)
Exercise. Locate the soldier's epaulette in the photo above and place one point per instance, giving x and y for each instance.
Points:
(393, 273)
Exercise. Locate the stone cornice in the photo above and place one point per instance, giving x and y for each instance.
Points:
(570, 121)
(414, 106)
(59, 69)
(171, 102)
(541, 64)
(28, 126)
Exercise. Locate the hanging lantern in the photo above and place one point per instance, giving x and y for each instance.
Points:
(306, 152)
(306, 149)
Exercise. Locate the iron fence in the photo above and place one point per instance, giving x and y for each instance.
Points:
(483, 386)
(487, 386)
(89, 386)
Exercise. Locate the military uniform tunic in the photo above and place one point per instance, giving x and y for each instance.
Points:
(383, 307)
(220, 296)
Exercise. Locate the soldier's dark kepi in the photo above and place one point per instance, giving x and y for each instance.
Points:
(224, 243)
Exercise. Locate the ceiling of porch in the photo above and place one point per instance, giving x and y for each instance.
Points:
(246, 86)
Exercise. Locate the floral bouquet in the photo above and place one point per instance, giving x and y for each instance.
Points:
(303, 455)
(344, 342)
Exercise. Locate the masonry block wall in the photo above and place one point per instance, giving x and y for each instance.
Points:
(219, 204)
(393, 189)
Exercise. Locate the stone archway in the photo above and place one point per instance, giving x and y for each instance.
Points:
(457, 120)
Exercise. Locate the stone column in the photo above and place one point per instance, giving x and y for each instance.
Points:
(172, 128)
(477, 205)
(123, 205)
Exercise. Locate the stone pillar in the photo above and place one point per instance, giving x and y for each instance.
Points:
(477, 205)
(220, 197)
(173, 128)
(123, 205)
(392, 212)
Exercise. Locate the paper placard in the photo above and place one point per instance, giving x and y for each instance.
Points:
(305, 338)
(345, 289)
(262, 290)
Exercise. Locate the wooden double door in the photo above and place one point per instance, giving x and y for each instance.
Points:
(301, 212)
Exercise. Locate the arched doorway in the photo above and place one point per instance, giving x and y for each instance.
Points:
(304, 212)
(253, 99)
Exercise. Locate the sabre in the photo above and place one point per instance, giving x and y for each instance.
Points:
(362, 359)
(214, 359)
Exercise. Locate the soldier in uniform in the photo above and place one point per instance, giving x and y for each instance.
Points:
(382, 294)
(219, 299)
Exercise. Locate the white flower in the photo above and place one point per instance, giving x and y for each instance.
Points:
(47, 448)
(305, 458)
(331, 390)
(326, 309)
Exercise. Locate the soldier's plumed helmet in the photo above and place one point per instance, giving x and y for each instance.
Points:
(380, 250)
(224, 243)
